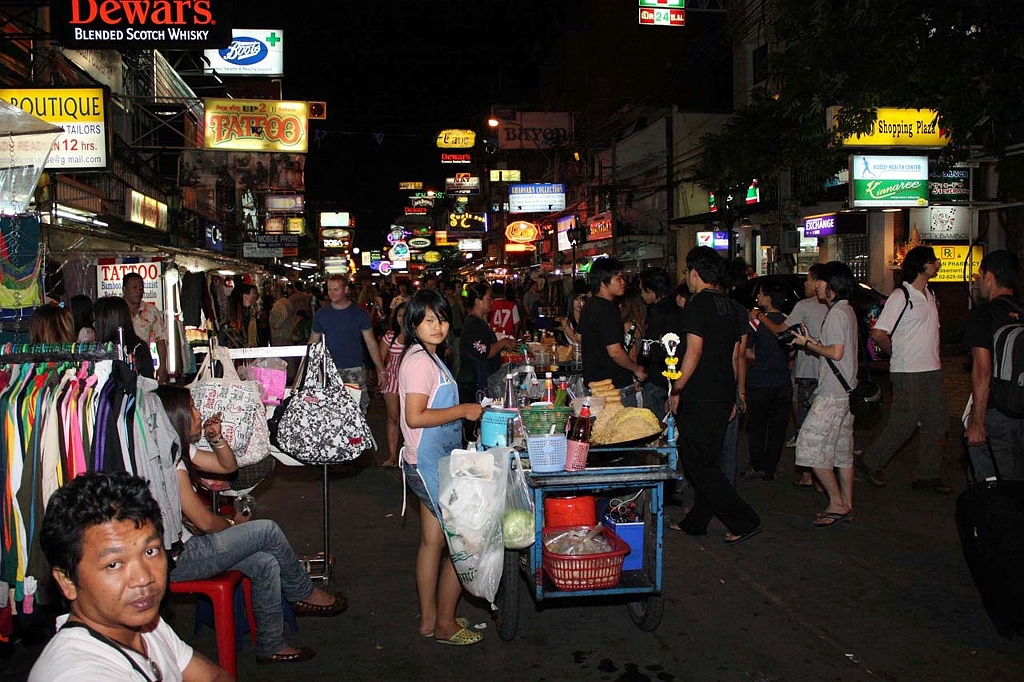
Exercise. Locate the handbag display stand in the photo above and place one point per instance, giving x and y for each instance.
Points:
(317, 567)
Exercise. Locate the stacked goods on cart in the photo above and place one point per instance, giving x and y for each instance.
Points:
(618, 424)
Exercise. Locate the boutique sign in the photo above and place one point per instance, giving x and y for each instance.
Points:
(823, 225)
(141, 25)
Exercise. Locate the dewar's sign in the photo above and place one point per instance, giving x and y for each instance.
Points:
(141, 24)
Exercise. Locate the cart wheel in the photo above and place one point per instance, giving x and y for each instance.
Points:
(647, 611)
(507, 599)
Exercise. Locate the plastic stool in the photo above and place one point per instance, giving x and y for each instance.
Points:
(221, 589)
(204, 616)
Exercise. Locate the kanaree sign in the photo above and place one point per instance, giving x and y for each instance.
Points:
(256, 125)
(141, 24)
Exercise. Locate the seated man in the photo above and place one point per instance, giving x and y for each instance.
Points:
(102, 536)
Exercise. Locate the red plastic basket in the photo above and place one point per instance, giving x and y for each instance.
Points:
(588, 571)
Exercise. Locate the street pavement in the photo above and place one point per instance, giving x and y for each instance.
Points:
(885, 597)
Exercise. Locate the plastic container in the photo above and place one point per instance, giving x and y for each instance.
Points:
(538, 421)
(633, 535)
(547, 453)
(588, 571)
(570, 511)
(494, 426)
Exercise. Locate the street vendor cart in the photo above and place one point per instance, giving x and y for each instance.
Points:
(610, 470)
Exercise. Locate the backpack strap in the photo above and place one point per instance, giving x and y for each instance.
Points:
(908, 304)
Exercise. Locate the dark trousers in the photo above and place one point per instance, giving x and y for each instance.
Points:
(767, 418)
(701, 434)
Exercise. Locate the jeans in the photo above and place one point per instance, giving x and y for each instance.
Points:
(701, 433)
(655, 397)
(767, 417)
(1006, 436)
(916, 397)
(260, 550)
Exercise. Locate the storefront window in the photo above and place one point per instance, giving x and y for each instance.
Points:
(854, 252)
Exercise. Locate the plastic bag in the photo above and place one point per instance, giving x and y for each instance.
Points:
(520, 524)
(471, 495)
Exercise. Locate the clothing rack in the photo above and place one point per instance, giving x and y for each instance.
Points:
(297, 352)
(14, 354)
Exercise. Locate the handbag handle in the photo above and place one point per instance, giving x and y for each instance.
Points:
(300, 373)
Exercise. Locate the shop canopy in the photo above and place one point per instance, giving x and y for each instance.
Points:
(25, 143)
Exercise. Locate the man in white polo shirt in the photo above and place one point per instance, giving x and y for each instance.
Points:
(908, 329)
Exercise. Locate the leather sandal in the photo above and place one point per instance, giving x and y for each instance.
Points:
(335, 608)
(303, 654)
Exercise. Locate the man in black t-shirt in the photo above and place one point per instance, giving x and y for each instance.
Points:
(705, 399)
(663, 316)
(1005, 433)
(604, 356)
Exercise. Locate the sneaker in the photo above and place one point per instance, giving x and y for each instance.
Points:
(791, 443)
(753, 474)
(931, 485)
(872, 476)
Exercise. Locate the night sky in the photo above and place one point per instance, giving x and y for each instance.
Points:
(395, 73)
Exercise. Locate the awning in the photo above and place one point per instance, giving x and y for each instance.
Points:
(30, 140)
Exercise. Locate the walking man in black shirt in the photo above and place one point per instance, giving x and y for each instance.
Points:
(705, 399)
(604, 356)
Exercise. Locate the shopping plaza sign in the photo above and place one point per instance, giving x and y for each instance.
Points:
(888, 181)
(896, 128)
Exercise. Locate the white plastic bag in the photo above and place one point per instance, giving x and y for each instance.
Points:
(519, 525)
(471, 492)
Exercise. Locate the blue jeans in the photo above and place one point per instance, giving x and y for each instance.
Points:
(260, 550)
(1006, 436)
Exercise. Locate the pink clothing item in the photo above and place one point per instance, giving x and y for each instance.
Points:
(391, 362)
(417, 374)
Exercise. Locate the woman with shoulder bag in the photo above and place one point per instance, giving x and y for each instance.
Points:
(431, 423)
(825, 441)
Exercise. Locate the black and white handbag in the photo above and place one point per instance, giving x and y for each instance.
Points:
(321, 423)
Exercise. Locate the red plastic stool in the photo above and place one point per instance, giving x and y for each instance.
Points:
(221, 590)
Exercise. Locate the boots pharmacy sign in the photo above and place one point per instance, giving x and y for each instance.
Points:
(252, 52)
(141, 25)
(888, 181)
(255, 125)
(81, 112)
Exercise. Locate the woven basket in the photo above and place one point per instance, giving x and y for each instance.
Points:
(539, 420)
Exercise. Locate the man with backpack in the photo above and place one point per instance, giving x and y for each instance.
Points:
(989, 335)
(908, 329)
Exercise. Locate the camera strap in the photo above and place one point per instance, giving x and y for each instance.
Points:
(839, 375)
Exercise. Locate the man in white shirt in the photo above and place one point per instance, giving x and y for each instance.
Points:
(908, 329)
(148, 321)
(102, 535)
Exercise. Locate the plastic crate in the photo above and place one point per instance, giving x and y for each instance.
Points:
(633, 535)
(547, 453)
(538, 420)
(588, 571)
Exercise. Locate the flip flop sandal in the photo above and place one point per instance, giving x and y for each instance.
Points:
(303, 654)
(680, 528)
(335, 608)
(741, 538)
(461, 622)
(826, 519)
(463, 637)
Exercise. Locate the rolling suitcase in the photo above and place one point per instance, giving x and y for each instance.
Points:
(990, 521)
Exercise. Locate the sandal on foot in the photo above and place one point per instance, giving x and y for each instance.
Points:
(737, 539)
(464, 637)
(826, 519)
(303, 654)
(335, 608)
(680, 528)
(461, 622)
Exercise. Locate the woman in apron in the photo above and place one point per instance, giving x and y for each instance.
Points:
(431, 425)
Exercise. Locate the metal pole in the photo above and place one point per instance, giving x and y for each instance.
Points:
(327, 525)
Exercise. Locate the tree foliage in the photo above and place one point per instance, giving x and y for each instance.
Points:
(964, 58)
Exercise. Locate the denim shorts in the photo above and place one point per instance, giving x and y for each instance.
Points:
(415, 483)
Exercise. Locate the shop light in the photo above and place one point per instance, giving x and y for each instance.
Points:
(77, 217)
(226, 273)
(891, 210)
(307, 264)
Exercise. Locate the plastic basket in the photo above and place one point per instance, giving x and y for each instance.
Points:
(547, 453)
(588, 571)
(539, 420)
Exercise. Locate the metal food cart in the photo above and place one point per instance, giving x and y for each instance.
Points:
(646, 468)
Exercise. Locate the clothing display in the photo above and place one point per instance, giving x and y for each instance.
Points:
(66, 410)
